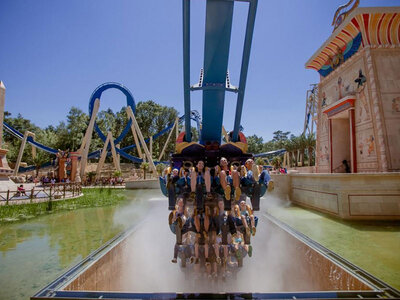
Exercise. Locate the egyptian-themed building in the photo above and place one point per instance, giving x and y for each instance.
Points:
(358, 114)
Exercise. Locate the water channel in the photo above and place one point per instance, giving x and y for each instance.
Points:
(36, 251)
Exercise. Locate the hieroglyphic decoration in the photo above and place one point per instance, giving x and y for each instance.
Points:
(364, 29)
(366, 146)
(323, 154)
(376, 111)
(363, 107)
(340, 14)
(396, 105)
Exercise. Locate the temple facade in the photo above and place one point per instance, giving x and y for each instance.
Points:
(358, 115)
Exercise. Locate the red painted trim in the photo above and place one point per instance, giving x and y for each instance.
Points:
(388, 29)
(336, 45)
(379, 28)
(353, 141)
(355, 22)
(351, 101)
(347, 33)
(369, 195)
(366, 25)
(329, 47)
(339, 38)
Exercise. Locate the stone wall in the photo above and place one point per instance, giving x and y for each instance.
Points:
(348, 196)
(377, 109)
(387, 69)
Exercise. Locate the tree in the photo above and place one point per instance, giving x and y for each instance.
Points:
(296, 145)
(76, 127)
(279, 135)
(160, 168)
(310, 143)
(302, 145)
(260, 161)
(144, 166)
(289, 147)
(255, 144)
(276, 161)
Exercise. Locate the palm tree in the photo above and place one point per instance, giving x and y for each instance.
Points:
(302, 147)
(310, 140)
(144, 166)
(276, 162)
(160, 168)
(289, 148)
(296, 145)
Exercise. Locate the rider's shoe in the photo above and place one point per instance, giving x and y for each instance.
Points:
(238, 254)
(256, 173)
(174, 260)
(250, 252)
(218, 259)
(238, 192)
(227, 192)
(170, 217)
(253, 231)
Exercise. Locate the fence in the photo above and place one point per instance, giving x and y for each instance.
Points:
(43, 193)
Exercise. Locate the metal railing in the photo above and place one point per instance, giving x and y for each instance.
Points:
(44, 192)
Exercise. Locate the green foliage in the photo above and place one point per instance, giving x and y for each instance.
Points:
(91, 198)
(276, 161)
(117, 174)
(260, 161)
(151, 117)
(255, 144)
(160, 168)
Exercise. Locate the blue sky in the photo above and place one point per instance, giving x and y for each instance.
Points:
(53, 54)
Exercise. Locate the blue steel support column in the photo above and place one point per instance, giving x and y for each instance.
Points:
(186, 67)
(219, 16)
(245, 65)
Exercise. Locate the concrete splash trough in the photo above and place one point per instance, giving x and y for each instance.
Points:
(313, 272)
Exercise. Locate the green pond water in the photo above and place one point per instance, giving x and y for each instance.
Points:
(373, 246)
(34, 252)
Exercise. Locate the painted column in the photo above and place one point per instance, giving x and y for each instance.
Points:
(376, 114)
(61, 167)
(4, 168)
(353, 143)
(74, 167)
(330, 146)
(2, 102)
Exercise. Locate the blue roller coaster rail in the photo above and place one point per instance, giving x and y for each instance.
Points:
(214, 81)
(194, 115)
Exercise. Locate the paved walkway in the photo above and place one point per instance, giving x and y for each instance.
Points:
(39, 195)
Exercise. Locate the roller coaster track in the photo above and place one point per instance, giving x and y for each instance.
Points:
(14, 132)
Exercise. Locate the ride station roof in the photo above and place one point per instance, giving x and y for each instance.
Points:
(373, 26)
